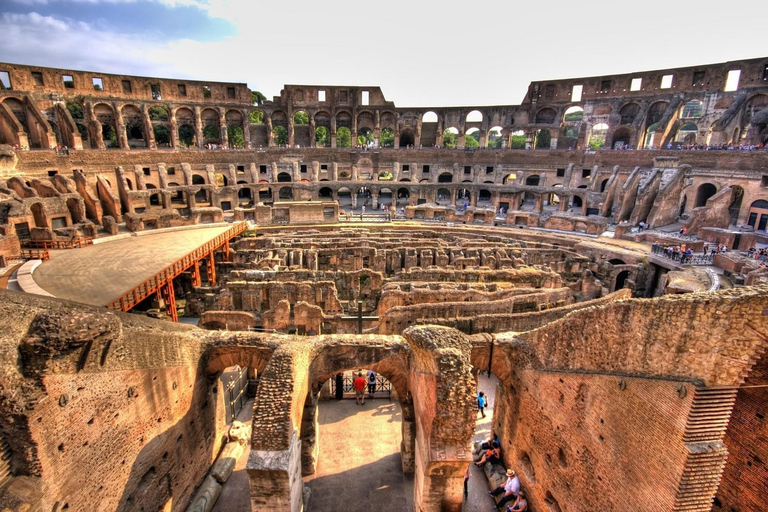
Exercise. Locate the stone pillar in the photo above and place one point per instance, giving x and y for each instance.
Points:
(246, 128)
(268, 123)
(149, 130)
(310, 448)
(122, 135)
(174, 132)
(408, 444)
(223, 129)
(198, 128)
(374, 202)
(564, 200)
(444, 402)
(334, 171)
(538, 203)
(291, 132)
(275, 478)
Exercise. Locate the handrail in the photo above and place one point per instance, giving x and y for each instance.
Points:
(671, 253)
(129, 299)
(75, 243)
(35, 254)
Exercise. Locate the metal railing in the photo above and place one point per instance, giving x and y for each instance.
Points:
(382, 385)
(129, 299)
(35, 254)
(75, 243)
(670, 253)
(236, 394)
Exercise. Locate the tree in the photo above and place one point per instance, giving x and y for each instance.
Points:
(471, 140)
(300, 117)
(450, 139)
(517, 142)
(235, 135)
(365, 137)
(158, 113)
(162, 135)
(543, 139)
(387, 138)
(280, 135)
(186, 135)
(75, 110)
(322, 137)
(211, 132)
(257, 98)
(256, 117)
(343, 137)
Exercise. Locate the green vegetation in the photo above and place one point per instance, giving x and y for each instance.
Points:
(97, 87)
(472, 140)
(162, 135)
(186, 135)
(543, 139)
(236, 138)
(75, 110)
(206, 91)
(158, 113)
(517, 142)
(385, 176)
(211, 132)
(494, 139)
(322, 137)
(257, 98)
(109, 135)
(574, 117)
(280, 135)
(387, 138)
(450, 139)
(256, 117)
(365, 137)
(301, 118)
(343, 137)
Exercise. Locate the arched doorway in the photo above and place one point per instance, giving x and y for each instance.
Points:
(703, 193)
(406, 138)
(285, 194)
(758, 215)
(621, 280)
(38, 214)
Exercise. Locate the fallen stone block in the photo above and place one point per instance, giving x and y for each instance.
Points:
(226, 462)
(206, 496)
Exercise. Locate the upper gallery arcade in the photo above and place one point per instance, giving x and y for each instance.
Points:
(724, 103)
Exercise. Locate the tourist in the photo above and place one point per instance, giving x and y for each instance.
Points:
(339, 386)
(359, 385)
(481, 403)
(511, 489)
(520, 504)
(493, 455)
(371, 383)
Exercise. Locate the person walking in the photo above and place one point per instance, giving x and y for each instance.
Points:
(481, 403)
(371, 383)
(359, 385)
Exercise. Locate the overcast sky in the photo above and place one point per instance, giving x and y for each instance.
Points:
(421, 53)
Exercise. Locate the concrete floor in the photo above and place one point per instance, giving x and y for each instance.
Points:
(99, 273)
(477, 498)
(359, 463)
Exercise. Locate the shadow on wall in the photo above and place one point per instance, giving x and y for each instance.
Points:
(173, 464)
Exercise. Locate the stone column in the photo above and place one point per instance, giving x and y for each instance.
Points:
(174, 132)
(246, 128)
(538, 203)
(95, 130)
(223, 129)
(122, 135)
(291, 132)
(198, 128)
(268, 123)
(149, 130)
(374, 202)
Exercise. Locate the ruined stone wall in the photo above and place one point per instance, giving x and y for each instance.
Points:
(745, 476)
(103, 411)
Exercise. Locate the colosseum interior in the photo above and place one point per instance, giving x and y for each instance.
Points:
(597, 253)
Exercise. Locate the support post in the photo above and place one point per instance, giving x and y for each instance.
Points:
(170, 301)
(211, 264)
(196, 280)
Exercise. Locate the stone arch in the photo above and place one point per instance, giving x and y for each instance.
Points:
(621, 280)
(703, 193)
(509, 179)
(445, 177)
(406, 137)
(597, 136)
(495, 137)
(546, 116)
(105, 115)
(621, 137)
(284, 177)
(475, 116)
(285, 194)
(629, 112)
(134, 126)
(38, 214)
(574, 114)
(429, 127)
(74, 206)
(211, 126)
(185, 119)
(532, 180)
(325, 193)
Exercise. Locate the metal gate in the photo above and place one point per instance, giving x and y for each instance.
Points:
(235, 394)
(382, 385)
